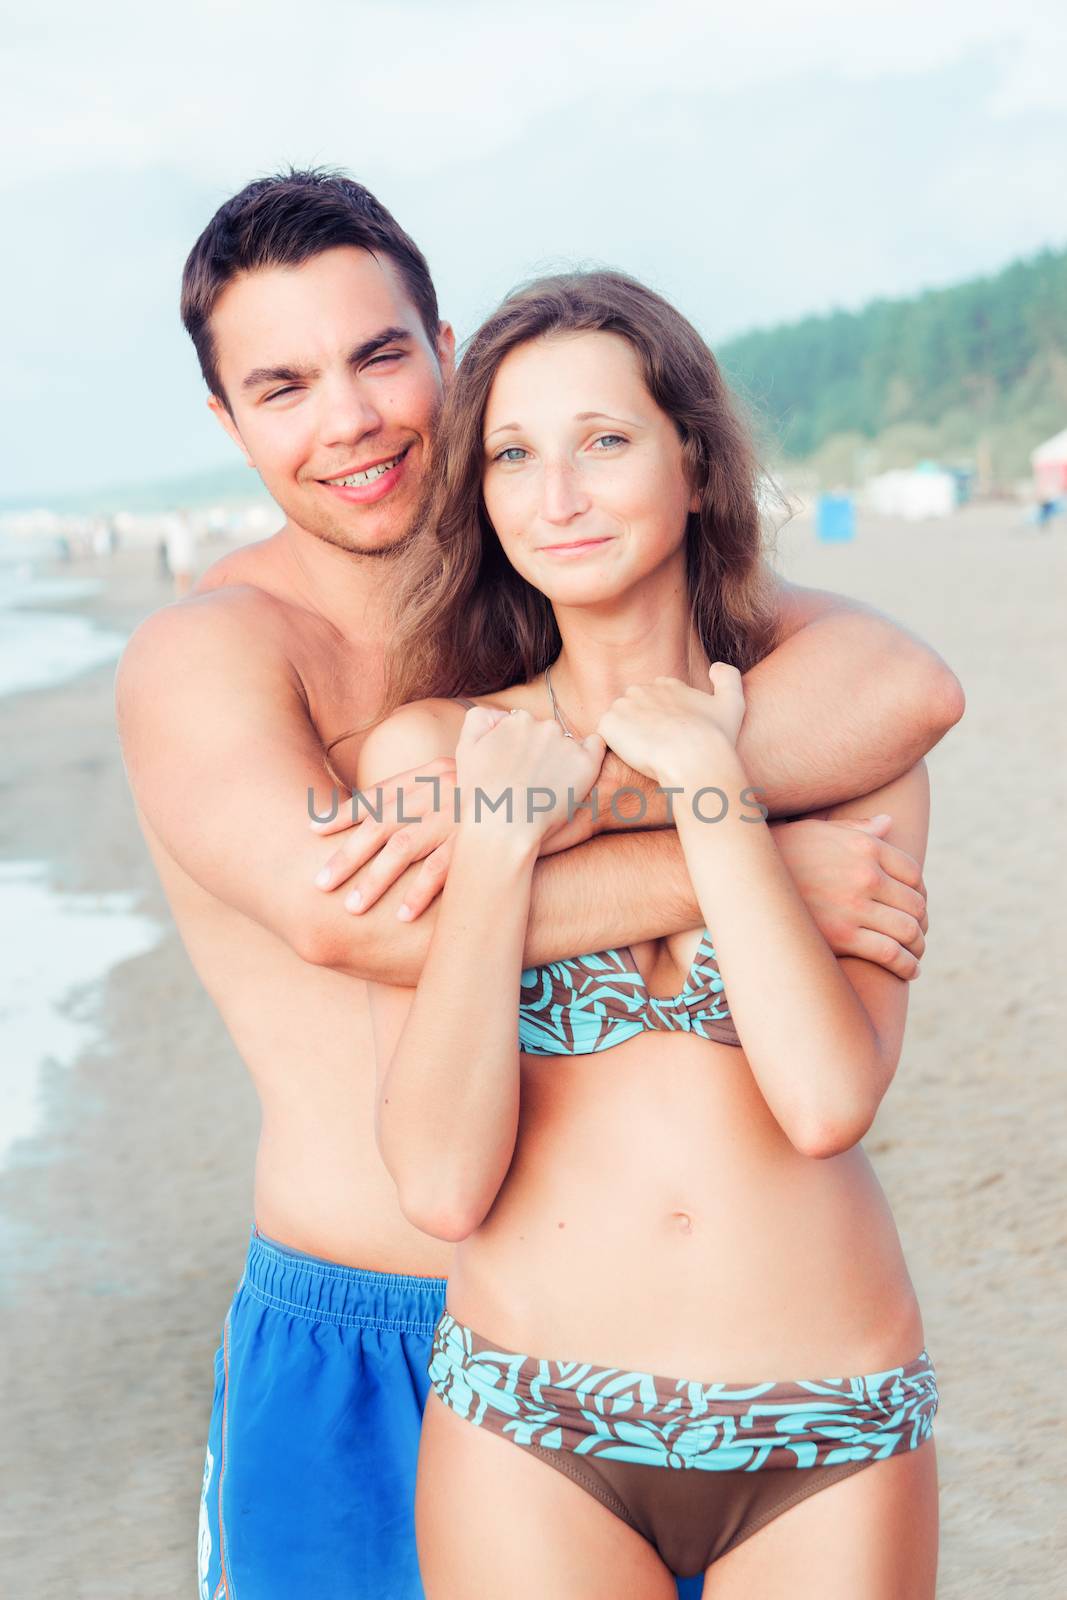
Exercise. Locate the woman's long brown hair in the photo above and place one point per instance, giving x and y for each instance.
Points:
(466, 621)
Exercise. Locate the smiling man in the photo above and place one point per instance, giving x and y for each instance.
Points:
(316, 324)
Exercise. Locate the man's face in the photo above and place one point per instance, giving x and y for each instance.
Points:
(334, 389)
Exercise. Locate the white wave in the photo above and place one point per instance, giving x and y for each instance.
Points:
(58, 949)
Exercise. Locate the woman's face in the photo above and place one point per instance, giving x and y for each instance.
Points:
(583, 478)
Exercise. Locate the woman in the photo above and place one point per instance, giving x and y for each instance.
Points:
(649, 1158)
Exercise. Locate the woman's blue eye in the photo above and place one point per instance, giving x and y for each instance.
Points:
(612, 438)
(511, 453)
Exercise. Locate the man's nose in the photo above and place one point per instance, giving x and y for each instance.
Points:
(349, 413)
(563, 496)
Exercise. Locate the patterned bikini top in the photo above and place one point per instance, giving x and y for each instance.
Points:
(591, 1002)
(588, 1003)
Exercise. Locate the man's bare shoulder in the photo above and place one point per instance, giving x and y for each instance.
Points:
(205, 630)
(258, 565)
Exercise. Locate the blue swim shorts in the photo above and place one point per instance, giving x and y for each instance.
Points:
(309, 1477)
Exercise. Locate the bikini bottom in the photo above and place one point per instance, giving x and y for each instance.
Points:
(695, 1468)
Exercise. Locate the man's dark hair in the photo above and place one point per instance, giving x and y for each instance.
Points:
(283, 221)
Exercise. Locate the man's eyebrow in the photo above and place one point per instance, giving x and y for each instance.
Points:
(261, 375)
(356, 356)
(579, 416)
(370, 347)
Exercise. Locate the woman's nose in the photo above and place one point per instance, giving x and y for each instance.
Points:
(563, 496)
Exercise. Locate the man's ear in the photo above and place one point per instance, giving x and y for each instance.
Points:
(220, 412)
(446, 350)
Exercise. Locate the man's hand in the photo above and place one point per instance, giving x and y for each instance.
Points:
(408, 818)
(866, 897)
(411, 817)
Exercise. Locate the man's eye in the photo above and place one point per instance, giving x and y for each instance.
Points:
(390, 355)
(276, 394)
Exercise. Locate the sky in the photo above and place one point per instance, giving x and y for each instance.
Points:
(753, 163)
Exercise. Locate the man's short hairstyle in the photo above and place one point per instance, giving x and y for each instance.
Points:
(283, 221)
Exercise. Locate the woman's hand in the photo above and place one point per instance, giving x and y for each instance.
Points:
(663, 728)
(529, 766)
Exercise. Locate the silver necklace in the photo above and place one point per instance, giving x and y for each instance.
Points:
(556, 712)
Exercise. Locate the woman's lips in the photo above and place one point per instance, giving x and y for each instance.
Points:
(577, 547)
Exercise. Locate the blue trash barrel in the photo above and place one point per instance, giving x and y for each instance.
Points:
(835, 518)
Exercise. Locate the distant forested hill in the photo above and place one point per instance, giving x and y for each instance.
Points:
(977, 372)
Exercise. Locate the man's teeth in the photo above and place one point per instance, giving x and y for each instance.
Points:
(357, 479)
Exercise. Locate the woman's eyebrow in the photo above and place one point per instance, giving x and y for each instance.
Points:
(606, 416)
(579, 416)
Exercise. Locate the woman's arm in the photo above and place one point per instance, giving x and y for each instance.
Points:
(447, 1104)
(448, 1052)
(822, 1035)
(822, 1043)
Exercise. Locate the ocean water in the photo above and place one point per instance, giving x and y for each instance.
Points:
(40, 643)
(58, 949)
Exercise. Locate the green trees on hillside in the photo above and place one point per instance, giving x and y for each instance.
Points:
(978, 371)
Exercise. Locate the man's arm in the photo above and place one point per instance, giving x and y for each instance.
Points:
(846, 702)
(876, 700)
(628, 887)
(220, 752)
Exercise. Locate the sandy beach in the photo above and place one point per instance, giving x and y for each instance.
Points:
(123, 1219)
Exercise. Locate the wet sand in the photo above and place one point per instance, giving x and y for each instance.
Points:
(123, 1222)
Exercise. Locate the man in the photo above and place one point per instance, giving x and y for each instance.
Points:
(316, 325)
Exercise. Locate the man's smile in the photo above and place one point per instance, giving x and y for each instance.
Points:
(373, 481)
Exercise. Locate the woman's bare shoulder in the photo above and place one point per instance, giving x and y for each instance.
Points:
(411, 736)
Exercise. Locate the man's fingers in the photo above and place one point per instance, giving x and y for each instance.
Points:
(892, 859)
(873, 825)
(337, 824)
(896, 925)
(897, 863)
(353, 854)
(429, 881)
(396, 855)
(884, 952)
(890, 891)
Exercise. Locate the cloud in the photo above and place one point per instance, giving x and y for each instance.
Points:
(231, 87)
(793, 161)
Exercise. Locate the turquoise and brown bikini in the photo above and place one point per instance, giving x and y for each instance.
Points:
(736, 1454)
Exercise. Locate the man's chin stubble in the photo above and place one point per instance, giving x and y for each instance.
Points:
(392, 546)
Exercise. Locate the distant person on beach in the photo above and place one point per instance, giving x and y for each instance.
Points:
(318, 333)
(179, 542)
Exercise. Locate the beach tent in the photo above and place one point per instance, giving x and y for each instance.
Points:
(912, 493)
(1049, 462)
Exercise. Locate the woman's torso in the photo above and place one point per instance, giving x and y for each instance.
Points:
(656, 1217)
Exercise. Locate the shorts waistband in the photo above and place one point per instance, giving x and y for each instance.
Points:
(325, 1291)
